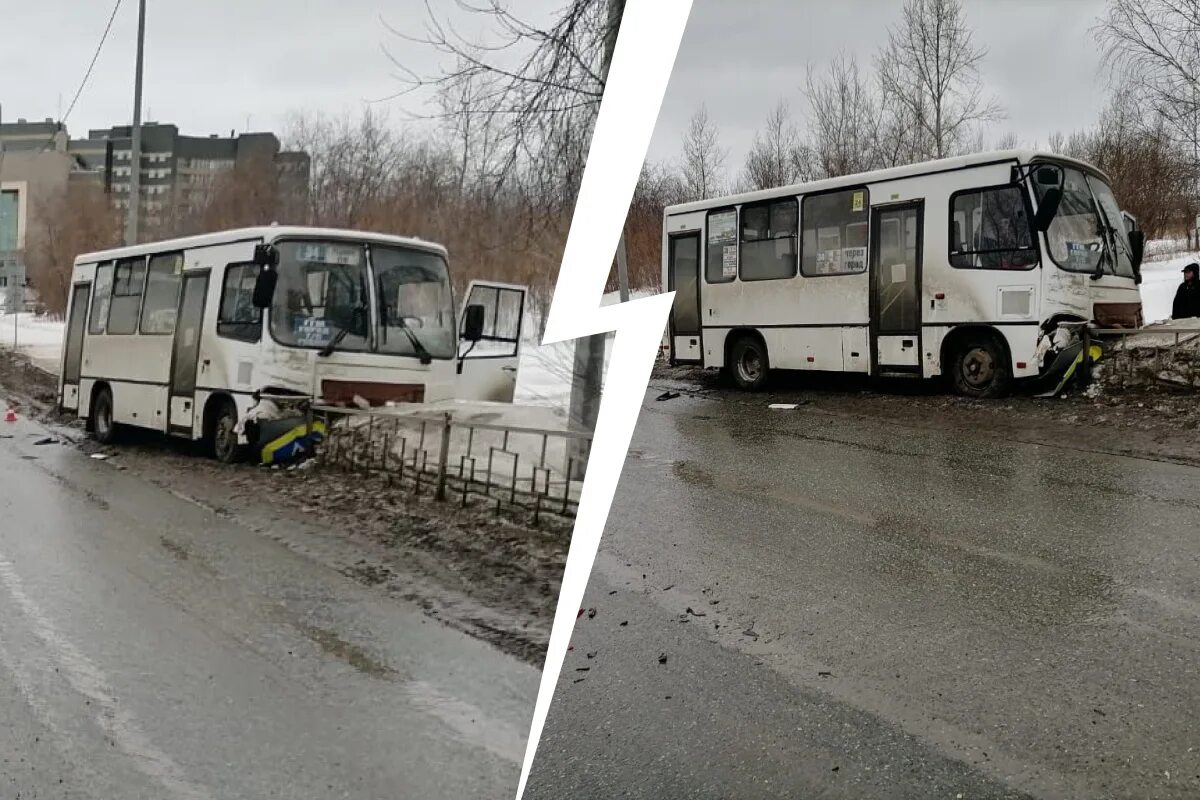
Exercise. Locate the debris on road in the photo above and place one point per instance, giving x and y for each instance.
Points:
(695, 613)
(662, 658)
(667, 396)
(591, 613)
(784, 406)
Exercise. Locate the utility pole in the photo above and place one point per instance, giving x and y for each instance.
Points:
(588, 372)
(134, 208)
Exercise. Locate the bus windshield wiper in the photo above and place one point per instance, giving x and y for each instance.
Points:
(333, 343)
(418, 347)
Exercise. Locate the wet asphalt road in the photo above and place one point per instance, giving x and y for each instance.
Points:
(852, 608)
(149, 649)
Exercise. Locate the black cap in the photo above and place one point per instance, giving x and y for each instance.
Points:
(1193, 267)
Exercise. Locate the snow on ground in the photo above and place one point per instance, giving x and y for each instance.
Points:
(1160, 279)
(40, 338)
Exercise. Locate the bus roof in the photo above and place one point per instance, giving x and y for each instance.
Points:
(264, 233)
(882, 175)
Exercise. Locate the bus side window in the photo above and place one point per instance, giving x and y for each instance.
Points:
(993, 229)
(101, 296)
(129, 280)
(834, 228)
(163, 279)
(237, 317)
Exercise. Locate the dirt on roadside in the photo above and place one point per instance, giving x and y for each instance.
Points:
(494, 576)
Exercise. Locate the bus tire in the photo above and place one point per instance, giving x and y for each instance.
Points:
(980, 368)
(222, 438)
(748, 363)
(100, 417)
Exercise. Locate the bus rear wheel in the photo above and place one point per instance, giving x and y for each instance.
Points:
(748, 363)
(223, 438)
(100, 418)
(981, 369)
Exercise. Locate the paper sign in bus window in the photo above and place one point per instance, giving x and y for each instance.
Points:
(312, 332)
(722, 227)
(856, 202)
(899, 273)
(855, 259)
(729, 258)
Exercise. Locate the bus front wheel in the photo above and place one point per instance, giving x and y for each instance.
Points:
(223, 435)
(748, 363)
(981, 369)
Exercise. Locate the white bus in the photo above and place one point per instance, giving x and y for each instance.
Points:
(962, 267)
(183, 336)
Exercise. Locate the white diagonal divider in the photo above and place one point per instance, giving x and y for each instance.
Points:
(641, 66)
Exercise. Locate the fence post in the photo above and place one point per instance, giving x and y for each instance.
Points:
(443, 456)
(1087, 354)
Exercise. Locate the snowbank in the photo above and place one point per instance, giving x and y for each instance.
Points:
(39, 338)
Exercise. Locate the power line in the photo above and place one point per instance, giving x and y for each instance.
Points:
(92, 65)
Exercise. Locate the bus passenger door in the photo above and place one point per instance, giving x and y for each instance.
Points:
(896, 289)
(185, 354)
(489, 371)
(683, 278)
(73, 349)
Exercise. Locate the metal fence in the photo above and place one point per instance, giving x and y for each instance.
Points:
(471, 462)
(1158, 354)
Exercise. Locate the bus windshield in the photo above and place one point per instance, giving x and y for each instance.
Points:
(321, 295)
(323, 298)
(1087, 234)
(416, 310)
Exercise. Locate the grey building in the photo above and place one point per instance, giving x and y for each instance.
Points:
(34, 168)
(178, 172)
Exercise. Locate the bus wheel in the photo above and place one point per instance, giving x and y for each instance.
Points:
(223, 437)
(100, 420)
(749, 364)
(981, 369)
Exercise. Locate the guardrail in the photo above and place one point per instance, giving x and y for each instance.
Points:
(535, 469)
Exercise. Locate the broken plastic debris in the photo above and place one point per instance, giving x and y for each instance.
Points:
(667, 396)
(100, 456)
(662, 658)
(784, 406)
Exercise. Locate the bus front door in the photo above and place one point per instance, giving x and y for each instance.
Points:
(489, 370)
(185, 355)
(683, 278)
(896, 289)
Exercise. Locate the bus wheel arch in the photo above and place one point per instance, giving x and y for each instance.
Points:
(746, 358)
(978, 361)
(100, 419)
(220, 417)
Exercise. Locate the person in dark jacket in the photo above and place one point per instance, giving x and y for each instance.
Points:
(1187, 298)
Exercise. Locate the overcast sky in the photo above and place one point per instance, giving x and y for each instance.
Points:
(741, 58)
(218, 65)
(212, 64)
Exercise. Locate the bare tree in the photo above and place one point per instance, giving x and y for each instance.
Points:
(80, 219)
(844, 120)
(536, 87)
(930, 67)
(703, 165)
(1155, 45)
(777, 157)
(1007, 141)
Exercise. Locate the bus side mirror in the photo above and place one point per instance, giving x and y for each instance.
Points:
(1137, 249)
(1047, 208)
(473, 323)
(265, 255)
(264, 287)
